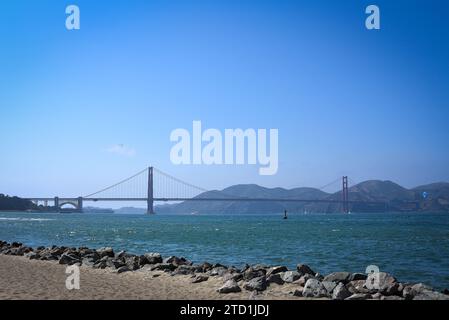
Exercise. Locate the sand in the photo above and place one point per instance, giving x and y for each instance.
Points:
(43, 280)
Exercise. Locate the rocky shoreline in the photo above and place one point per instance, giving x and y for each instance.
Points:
(253, 279)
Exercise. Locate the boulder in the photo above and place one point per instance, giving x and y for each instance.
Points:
(393, 289)
(106, 251)
(305, 269)
(68, 259)
(430, 295)
(218, 271)
(340, 292)
(358, 276)
(32, 255)
(357, 286)
(258, 284)
(132, 262)
(200, 278)
(235, 276)
(183, 270)
(329, 285)
(290, 276)
(177, 261)
(252, 273)
(118, 263)
(302, 281)
(338, 277)
(123, 269)
(275, 278)
(153, 257)
(298, 292)
(379, 281)
(88, 262)
(206, 266)
(229, 286)
(276, 269)
(314, 289)
(359, 296)
(163, 266)
(391, 298)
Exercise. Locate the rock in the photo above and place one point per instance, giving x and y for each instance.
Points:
(153, 257)
(177, 261)
(329, 285)
(183, 270)
(88, 262)
(106, 251)
(234, 276)
(132, 262)
(276, 269)
(121, 254)
(379, 281)
(305, 269)
(218, 271)
(445, 291)
(302, 281)
(338, 277)
(32, 255)
(358, 276)
(314, 289)
(298, 292)
(394, 289)
(118, 263)
(319, 277)
(206, 266)
(377, 296)
(340, 292)
(94, 256)
(252, 273)
(16, 244)
(163, 266)
(229, 286)
(290, 276)
(430, 295)
(359, 296)
(391, 298)
(357, 286)
(259, 284)
(68, 259)
(123, 269)
(200, 278)
(275, 278)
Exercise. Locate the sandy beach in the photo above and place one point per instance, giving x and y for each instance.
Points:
(33, 279)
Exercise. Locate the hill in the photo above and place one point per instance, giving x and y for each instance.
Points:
(387, 195)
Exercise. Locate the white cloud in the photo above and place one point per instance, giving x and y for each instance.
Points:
(122, 150)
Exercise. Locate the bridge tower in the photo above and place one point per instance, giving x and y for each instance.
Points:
(80, 204)
(345, 195)
(57, 203)
(150, 198)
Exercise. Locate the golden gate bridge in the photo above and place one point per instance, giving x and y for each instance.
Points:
(152, 185)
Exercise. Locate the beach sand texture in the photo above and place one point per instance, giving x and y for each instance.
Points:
(42, 280)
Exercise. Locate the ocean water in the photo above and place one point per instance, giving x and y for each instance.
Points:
(413, 247)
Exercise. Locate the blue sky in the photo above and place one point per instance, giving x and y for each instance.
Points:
(368, 104)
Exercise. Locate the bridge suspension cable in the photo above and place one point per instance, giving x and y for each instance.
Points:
(136, 187)
(118, 187)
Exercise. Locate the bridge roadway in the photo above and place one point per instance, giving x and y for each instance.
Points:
(206, 199)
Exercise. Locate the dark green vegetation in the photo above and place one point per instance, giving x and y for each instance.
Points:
(15, 204)
(389, 195)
